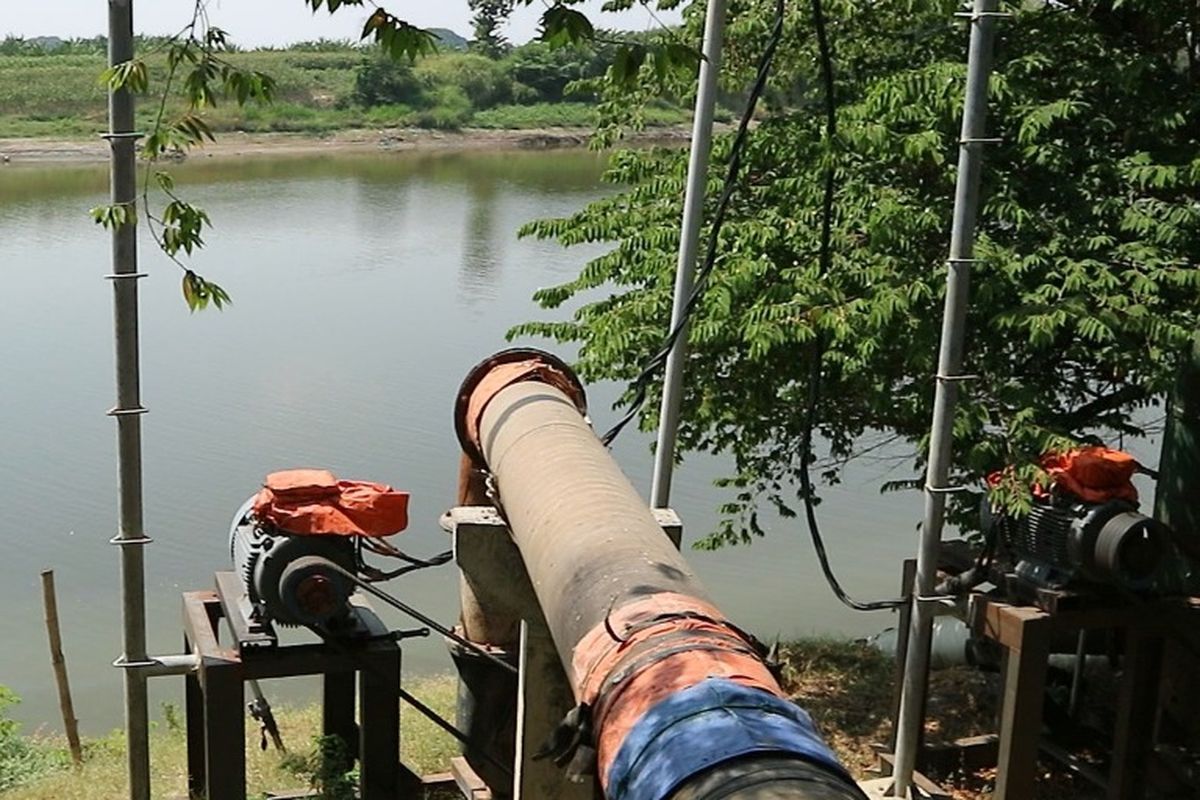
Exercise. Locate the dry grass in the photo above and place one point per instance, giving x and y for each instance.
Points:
(424, 748)
(848, 688)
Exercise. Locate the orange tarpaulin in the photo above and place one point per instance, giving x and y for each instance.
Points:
(1094, 474)
(314, 501)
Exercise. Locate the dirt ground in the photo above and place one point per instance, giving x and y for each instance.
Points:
(848, 690)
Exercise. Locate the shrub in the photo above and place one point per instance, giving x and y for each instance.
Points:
(484, 82)
(380, 81)
(21, 759)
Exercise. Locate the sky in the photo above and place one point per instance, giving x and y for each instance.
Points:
(279, 22)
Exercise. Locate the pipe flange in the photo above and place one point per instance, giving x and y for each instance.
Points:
(480, 371)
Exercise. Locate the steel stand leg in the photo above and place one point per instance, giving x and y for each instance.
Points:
(193, 704)
(337, 712)
(224, 731)
(379, 727)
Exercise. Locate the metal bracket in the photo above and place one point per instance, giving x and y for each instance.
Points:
(121, 276)
(981, 140)
(122, 663)
(121, 541)
(956, 378)
(946, 489)
(127, 412)
(123, 135)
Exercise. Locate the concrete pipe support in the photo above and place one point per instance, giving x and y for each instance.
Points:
(675, 701)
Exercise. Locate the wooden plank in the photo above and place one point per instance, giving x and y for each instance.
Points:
(1137, 714)
(544, 697)
(468, 781)
(908, 577)
(924, 787)
(1026, 634)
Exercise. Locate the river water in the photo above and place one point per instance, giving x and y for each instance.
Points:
(365, 287)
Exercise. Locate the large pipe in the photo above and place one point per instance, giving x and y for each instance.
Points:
(675, 699)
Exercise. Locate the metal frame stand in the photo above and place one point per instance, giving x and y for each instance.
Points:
(1025, 634)
(215, 696)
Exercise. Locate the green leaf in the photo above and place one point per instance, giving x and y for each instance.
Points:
(563, 26)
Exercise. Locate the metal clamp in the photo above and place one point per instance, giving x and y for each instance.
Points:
(122, 663)
(127, 412)
(110, 136)
(975, 16)
(956, 378)
(121, 541)
(946, 489)
(969, 140)
(121, 276)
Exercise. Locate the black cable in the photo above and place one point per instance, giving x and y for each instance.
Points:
(376, 575)
(399, 605)
(641, 383)
(818, 355)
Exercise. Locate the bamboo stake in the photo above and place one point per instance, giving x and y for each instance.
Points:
(50, 602)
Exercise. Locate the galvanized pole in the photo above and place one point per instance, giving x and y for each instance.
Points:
(950, 358)
(693, 217)
(130, 537)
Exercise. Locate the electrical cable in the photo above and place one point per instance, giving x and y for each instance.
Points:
(641, 383)
(381, 548)
(399, 605)
(818, 355)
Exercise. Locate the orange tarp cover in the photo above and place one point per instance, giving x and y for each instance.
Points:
(314, 501)
(1094, 474)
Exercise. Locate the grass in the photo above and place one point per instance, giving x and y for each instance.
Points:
(846, 687)
(424, 747)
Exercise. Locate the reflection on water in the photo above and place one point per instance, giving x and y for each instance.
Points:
(364, 288)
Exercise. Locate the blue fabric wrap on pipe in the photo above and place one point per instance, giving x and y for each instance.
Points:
(704, 725)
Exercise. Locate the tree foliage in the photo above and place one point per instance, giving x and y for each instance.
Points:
(490, 16)
(1085, 295)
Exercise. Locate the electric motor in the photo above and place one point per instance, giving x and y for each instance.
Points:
(288, 577)
(1064, 541)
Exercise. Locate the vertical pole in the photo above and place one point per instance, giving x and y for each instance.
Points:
(70, 724)
(693, 216)
(131, 537)
(950, 357)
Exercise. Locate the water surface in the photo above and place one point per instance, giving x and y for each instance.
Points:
(364, 289)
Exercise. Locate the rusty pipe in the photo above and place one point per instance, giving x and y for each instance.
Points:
(674, 698)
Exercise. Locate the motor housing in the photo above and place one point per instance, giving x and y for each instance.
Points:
(1064, 541)
(288, 577)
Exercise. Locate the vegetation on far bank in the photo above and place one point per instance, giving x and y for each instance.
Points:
(322, 87)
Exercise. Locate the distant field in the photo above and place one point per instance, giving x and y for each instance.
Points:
(58, 96)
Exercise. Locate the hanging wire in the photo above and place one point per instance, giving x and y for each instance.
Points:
(382, 548)
(641, 383)
(818, 349)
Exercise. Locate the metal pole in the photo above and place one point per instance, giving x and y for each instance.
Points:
(131, 537)
(950, 358)
(689, 240)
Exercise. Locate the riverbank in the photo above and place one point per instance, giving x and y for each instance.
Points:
(19, 151)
